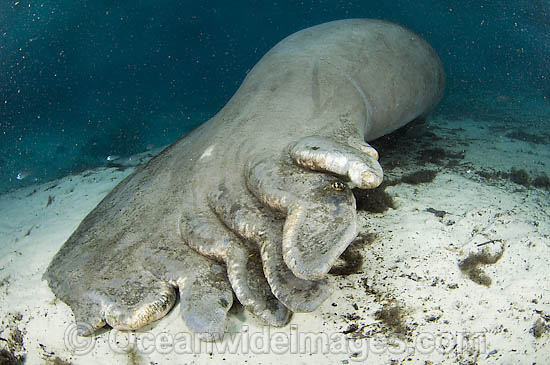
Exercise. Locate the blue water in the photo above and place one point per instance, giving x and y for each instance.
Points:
(81, 80)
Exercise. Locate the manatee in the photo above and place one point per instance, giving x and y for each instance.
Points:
(256, 203)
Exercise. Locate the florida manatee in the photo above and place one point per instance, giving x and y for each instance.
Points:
(255, 203)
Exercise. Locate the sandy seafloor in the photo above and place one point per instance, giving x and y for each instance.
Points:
(458, 271)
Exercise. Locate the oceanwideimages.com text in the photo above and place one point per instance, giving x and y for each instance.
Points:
(270, 341)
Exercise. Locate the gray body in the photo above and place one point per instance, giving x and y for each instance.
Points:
(256, 201)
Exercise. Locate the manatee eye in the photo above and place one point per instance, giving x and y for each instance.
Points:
(338, 185)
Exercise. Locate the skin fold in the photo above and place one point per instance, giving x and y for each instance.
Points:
(256, 203)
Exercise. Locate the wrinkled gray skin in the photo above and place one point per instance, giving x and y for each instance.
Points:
(257, 201)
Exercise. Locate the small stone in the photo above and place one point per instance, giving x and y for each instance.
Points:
(539, 328)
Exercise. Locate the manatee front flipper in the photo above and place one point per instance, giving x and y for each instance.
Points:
(105, 284)
(206, 234)
(321, 220)
(253, 223)
(357, 161)
(205, 293)
(129, 280)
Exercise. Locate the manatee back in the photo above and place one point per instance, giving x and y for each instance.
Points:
(384, 69)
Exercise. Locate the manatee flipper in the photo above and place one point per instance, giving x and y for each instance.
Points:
(205, 293)
(254, 223)
(360, 165)
(208, 236)
(110, 288)
(321, 220)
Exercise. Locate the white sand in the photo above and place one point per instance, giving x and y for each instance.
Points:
(435, 312)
